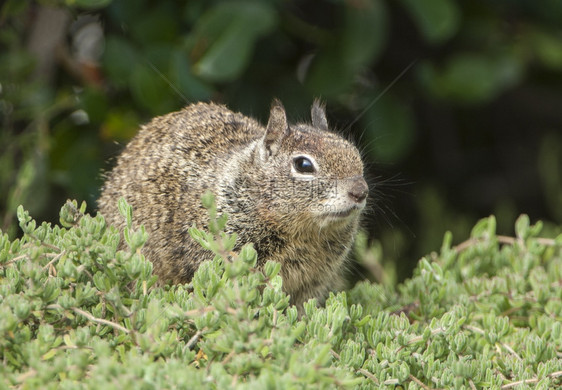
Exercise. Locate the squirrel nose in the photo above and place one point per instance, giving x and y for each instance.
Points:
(359, 190)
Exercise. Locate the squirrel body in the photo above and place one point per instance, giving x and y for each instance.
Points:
(296, 191)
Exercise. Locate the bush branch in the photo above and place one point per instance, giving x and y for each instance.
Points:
(100, 320)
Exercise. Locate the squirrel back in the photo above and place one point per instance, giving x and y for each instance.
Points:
(294, 190)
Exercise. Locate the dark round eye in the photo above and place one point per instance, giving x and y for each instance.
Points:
(303, 165)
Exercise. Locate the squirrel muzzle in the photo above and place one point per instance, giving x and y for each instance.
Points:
(359, 190)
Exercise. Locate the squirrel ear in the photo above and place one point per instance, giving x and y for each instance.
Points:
(276, 127)
(318, 113)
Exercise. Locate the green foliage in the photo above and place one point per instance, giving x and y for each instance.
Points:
(437, 20)
(344, 53)
(229, 33)
(78, 311)
(480, 72)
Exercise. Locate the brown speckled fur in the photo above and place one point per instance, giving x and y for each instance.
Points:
(288, 215)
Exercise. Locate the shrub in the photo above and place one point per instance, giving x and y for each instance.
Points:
(77, 311)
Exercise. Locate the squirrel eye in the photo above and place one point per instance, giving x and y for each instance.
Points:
(303, 165)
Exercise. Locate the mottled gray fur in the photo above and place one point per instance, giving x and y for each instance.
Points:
(295, 190)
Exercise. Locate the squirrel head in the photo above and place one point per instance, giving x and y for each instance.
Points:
(308, 172)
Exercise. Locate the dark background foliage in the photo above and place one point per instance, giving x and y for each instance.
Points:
(456, 105)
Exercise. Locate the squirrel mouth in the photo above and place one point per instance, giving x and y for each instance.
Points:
(336, 215)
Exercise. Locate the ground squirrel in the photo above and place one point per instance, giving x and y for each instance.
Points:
(296, 191)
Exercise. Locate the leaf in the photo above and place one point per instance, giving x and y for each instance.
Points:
(248, 254)
(125, 210)
(226, 35)
(472, 78)
(158, 24)
(437, 20)
(68, 341)
(357, 45)
(188, 86)
(94, 102)
(390, 127)
(522, 226)
(120, 124)
(364, 32)
(149, 90)
(12, 8)
(90, 4)
(50, 354)
(548, 49)
(119, 58)
(481, 228)
(200, 237)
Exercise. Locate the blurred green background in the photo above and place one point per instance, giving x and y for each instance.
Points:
(456, 105)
